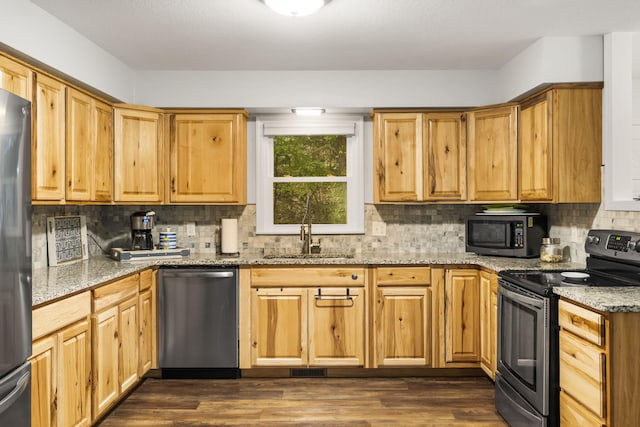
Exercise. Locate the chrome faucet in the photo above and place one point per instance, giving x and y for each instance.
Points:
(305, 231)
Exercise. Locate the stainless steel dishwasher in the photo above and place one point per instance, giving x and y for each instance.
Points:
(198, 322)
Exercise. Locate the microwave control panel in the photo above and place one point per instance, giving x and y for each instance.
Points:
(519, 235)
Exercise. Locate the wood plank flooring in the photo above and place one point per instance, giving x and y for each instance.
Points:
(428, 402)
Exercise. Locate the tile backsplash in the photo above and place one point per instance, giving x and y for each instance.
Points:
(394, 229)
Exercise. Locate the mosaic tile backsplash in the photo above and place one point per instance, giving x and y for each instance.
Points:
(395, 229)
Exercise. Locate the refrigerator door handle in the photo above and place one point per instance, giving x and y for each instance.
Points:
(20, 387)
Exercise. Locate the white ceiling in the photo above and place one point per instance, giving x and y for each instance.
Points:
(344, 35)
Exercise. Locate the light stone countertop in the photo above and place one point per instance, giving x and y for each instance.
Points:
(612, 300)
(52, 283)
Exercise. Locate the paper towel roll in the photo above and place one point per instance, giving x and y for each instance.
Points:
(229, 237)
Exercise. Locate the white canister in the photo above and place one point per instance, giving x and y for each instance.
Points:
(229, 236)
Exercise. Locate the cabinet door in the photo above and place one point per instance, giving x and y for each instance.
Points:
(146, 331)
(279, 327)
(207, 158)
(492, 154)
(105, 360)
(402, 323)
(74, 379)
(128, 351)
(15, 78)
(461, 316)
(445, 156)
(43, 382)
(103, 158)
(48, 143)
(398, 157)
(137, 156)
(336, 326)
(535, 150)
(488, 323)
(80, 145)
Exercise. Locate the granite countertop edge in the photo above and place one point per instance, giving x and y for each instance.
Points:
(53, 283)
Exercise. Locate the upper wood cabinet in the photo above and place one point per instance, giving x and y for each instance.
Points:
(492, 154)
(560, 146)
(16, 78)
(48, 143)
(138, 155)
(419, 156)
(208, 158)
(89, 136)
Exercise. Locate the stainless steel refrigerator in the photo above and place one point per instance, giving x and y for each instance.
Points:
(15, 260)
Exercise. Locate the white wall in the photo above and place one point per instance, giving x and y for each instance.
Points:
(357, 89)
(34, 32)
(552, 60)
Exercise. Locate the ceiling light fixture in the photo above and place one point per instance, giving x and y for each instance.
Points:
(308, 111)
(295, 7)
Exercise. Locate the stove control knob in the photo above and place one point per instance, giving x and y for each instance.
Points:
(593, 240)
(634, 246)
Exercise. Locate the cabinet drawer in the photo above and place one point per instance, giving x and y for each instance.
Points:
(584, 323)
(574, 414)
(108, 295)
(52, 317)
(582, 373)
(314, 276)
(386, 276)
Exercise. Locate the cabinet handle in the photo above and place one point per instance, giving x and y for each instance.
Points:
(335, 298)
(173, 185)
(354, 276)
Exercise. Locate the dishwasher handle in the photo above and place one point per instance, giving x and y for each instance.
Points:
(199, 274)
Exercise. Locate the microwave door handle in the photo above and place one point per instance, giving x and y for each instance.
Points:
(523, 299)
(509, 233)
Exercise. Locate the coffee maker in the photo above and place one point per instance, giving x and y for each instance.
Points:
(141, 225)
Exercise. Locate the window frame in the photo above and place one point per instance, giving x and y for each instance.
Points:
(323, 125)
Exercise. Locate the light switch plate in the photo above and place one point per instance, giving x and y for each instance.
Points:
(191, 229)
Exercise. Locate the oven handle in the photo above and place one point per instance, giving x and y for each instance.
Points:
(532, 302)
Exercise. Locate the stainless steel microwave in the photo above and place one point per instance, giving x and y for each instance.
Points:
(505, 235)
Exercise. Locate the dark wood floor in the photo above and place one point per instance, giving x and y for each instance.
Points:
(310, 402)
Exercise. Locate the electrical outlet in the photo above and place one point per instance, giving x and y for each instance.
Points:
(378, 228)
(191, 229)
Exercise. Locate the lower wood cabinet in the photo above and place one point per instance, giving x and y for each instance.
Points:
(307, 316)
(147, 322)
(403, 316)
(61, 363)
(461, 318)
(489, 323)
(599, 373)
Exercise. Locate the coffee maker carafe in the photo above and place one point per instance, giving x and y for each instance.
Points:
(141, 225)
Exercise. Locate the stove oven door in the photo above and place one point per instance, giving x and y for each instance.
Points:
(524, 344)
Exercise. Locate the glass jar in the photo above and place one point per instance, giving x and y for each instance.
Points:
(551, 251)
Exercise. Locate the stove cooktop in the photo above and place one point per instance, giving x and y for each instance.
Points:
(543, 281)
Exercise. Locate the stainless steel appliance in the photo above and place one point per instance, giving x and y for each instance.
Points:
(198, 322)
(15, 260)
(527, 389)
(505, 235)
(141, 226)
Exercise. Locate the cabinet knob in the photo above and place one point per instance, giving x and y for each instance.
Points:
(354, 276)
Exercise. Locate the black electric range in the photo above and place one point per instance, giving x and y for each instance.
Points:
(614, 260)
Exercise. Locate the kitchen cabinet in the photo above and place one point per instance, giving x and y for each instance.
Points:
(560, 145)
(461, 318)
(492, 154)
(403, 316)
(16, 78)
(115, 341)
(148, 322)
(208, 157)
(138, 154)
(306, 316)
(489, 322)
(419, 156)
(48, 142)
(61, 363)
(599, 375)
(89, 136)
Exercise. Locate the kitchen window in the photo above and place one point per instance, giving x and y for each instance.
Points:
(320, 158)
